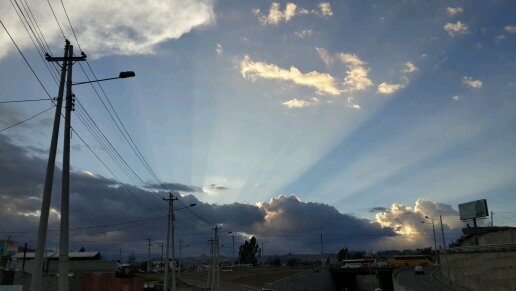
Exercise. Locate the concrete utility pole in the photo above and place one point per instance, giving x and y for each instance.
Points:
(64, 263)
(170, 200)
(233, 250)
(37, 273)
(148, 255)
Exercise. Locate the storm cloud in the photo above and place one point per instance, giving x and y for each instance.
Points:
(107, 215)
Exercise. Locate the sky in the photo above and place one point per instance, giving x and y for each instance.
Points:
(285, 120)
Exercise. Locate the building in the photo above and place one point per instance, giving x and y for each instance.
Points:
(483, 236)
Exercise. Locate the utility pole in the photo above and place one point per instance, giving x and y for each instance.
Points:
(445, 251)
(322, 254)
(215, 275)
(170, 200)
(209, 284)
(148, 255)
(162, 255)
(179, 264)
(64, 262)
(492, 218)
(120, 257)
(37, 272)
(233, 236)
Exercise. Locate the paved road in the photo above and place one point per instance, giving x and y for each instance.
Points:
(224, 286)
(422, 282)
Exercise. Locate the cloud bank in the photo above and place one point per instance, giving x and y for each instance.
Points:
(113, 28)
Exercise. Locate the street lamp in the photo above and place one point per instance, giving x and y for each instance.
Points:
(122, 75)
(435, 240)
(444, 243)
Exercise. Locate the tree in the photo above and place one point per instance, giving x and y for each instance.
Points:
(248, 251)
(343, 254)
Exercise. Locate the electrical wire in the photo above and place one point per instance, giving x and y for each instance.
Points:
(27, 119)
(25, 100)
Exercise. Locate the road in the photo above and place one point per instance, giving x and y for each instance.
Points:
(422, 282)
(224, 286)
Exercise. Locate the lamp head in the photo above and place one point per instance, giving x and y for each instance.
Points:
(126, 74)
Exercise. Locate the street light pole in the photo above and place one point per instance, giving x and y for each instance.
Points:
(445, 251)
(435, 241)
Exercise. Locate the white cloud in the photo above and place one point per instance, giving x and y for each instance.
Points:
(219, 49)
(351, 103)
(409, 68)
(470, 82)
(276, 15)
(456, 97)
(357, 78)
(510, 28)
(113, 27)
(296, 103)
(454, 10)
(324, 55)
(323, 83)
(388, 88)
(351, 59)
(325, 8)
(407, 221)
(457, 28)
(303, 33)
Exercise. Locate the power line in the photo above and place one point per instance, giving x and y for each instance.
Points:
(57, 21)
(150, 219)
(25, 59)
(105, 166)
(25, 100)
(27, 119)
(124, 132)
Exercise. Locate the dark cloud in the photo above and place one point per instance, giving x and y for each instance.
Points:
(378, 209)
(284, 224)
(177, 187)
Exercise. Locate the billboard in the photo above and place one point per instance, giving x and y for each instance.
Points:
(473, 209)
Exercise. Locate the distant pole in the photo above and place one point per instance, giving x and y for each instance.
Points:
(435, 244)
(170, 200)
(492, 218)
(262, 253)
(209, 284)
(37, 272)
(162, 255)
(148, 255)
(322, 253)
(445, 251)
(233, 236)
(179, 260)
(120, 256)
(24, 257)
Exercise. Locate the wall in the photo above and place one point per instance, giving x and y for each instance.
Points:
(482, 270)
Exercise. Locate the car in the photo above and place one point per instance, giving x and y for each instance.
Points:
(419, 270)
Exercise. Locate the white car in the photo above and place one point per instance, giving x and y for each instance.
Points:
(419, 270)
